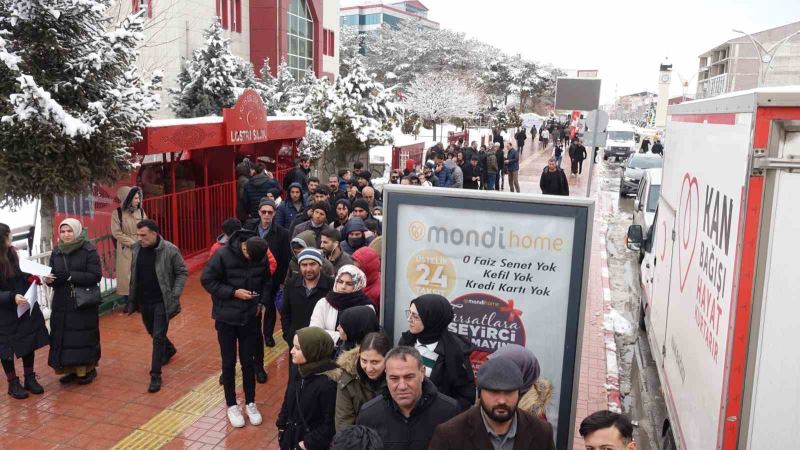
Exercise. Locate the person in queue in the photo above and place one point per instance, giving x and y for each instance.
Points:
(342, 213)
(123, 229)
(363, 375)
(301, 293)
(362, 210)
(496, 422)
(354, 235)
(157, 280)
(291, 206)
(407, 417)
(369, 260)
(348, 292)
(74, 331)
(536, 392)
(357, 437)
(330, 244)
(20, 336)
(306, 418)
(445, 355)
(607, 430)
(354, 324)
(239, 281)
(256, 188)
(316, 224)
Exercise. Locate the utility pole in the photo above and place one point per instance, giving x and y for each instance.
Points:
(766, 56)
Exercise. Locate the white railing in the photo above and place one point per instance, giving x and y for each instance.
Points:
(714, 86)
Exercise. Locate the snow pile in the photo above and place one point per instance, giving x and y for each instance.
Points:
(34, 103)
(616, 322)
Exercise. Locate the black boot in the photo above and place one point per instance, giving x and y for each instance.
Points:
(171, 351)
(33, 386)
(88, 378)
(68, 378)
(261, 374)
(155, 384)
(15, 389)
(269, 342)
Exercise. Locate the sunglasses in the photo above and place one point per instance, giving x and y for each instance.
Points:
(267, 212)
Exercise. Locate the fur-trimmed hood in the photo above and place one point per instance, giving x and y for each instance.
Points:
(347, 366)
(535, 401)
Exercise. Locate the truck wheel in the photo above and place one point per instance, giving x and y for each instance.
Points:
(667, 441)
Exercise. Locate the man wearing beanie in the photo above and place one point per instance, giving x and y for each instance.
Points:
(317, 223)
(238, 279)
(495, 423)
(301, 293)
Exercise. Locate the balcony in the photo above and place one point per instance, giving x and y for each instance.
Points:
(713, 86)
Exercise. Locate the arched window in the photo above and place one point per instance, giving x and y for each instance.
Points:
(301, 39)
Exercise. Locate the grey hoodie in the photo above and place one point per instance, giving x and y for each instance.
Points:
(457, 174)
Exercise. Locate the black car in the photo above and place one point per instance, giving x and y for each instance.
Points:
(633, 170)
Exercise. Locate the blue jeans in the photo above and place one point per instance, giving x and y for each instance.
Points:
(491, 182)
(558, 161)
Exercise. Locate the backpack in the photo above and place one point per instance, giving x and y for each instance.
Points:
(491, 162)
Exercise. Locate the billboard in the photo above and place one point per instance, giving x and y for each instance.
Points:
(577, 94)
(513, 267)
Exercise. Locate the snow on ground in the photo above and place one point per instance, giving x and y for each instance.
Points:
(615, 321)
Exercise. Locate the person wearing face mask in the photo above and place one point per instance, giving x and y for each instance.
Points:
(348, 292)
(123, 229)
(362, 376)
(354, 234)
(306, 419)
(362, 209)
(377, 213)
(445, 354)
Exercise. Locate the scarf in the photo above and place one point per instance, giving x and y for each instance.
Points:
(525, 359)
(436, 314)
(80, 233)
(317, 347)
(341, 302)
(357, 322)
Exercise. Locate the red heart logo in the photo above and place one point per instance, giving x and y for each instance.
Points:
(688, 222)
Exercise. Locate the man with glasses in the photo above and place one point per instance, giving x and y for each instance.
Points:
(277, 239)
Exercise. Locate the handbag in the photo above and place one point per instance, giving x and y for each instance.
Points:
(84, 295)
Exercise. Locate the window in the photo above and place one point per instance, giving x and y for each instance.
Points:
(392, 21)
(328, 42)
(350, 20)
(236, 15)
(301, 39)
(222, 13)
(370, 19)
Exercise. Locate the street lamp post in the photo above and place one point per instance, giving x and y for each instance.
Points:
(766, 56)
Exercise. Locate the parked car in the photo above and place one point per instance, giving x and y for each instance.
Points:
(633, 170)
(644, 207)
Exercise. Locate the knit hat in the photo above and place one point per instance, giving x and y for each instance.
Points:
(361, 203)
(256, 248)
(230, 225)
(267, 202)
(365, 174)
(310, 253)
(499, 374)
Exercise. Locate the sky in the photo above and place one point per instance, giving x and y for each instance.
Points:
(625, 40)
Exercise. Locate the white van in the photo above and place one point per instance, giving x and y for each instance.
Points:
(621, 141)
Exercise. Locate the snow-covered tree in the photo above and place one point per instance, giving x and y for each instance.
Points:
(441, 96)
(72, 101)
(213, 79)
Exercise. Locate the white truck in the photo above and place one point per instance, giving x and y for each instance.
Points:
(621, 141)
(720, 287)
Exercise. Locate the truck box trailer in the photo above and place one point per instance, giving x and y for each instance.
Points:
(720, 289)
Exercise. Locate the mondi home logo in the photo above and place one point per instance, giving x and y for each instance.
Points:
(494, 237)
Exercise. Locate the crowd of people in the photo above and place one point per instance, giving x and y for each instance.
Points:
(306, 254)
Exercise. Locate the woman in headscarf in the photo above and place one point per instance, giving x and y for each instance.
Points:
(123, 228)
(536, 391)
(445, 354)
(348, 292)
(20, 336)
(74, 332)
(362, 376)
(354, 324)
(306, 417)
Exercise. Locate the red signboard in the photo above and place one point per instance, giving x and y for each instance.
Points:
(246, 122)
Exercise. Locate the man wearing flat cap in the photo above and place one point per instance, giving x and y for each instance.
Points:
(495, 423)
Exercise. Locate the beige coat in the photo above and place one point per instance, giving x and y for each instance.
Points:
(125, 234)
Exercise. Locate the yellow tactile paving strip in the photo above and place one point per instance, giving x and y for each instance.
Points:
(176, 418)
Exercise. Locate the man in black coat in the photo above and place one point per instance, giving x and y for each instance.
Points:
(657, 149)
(407, 417)
(298, 175)
(472, 174)
(577, 153)
(277, 239)
(553, 180)
(501, 163)
(497, 138)
(521, 136)
(301, 293)
(256, 189)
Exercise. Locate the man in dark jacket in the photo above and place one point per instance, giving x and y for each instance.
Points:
(472, 174)
(521, 136)
(158, 276)
(256, 189)
(298, 175)
(512, 168)
(317, 223)
(657, 149)
(238, 279)
(497, 138)
(354, 235)
(362, 209)
(244, 171)
(294, 204)
(501, 164)
(330, 244)
(495, 423)
(406, 418)
(553, 180)
(301, 293)
(577, 153)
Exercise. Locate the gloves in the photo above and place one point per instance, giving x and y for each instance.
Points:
(34, 279)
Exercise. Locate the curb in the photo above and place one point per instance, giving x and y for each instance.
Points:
(612, 368)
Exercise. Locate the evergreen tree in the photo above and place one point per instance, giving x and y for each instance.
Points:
(213, 79)
(71, 99)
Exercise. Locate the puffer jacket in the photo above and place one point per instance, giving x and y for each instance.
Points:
(171, 272)
(286, 212)
(351, 391)
(19, 335)
(227, 271)
(370, 262)
(255, 190)
(124, 231)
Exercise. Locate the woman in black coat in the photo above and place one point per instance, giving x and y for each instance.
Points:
(74, 332)
(309, 405)
(445, 354)
(21, 335)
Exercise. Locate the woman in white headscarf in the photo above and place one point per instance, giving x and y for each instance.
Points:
(348, 291)
(74, 332)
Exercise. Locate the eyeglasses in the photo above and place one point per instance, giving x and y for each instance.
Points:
(412, 316)
(267, 212)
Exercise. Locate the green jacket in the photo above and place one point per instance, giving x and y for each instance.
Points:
(171, 272)
(351, 392)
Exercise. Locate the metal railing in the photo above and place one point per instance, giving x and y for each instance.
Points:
(714, 86)
(411, 151)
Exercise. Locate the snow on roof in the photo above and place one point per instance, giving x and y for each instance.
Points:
(177, 122)
(275, 118)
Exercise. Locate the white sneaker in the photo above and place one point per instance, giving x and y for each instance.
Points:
(235, 416)
(252, 414)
